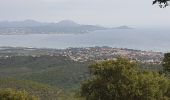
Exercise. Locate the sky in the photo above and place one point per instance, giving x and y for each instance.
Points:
(136, 13)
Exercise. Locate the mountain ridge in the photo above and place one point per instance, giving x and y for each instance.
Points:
(34, 27)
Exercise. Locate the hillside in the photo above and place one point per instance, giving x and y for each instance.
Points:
(53, 70)
(45, 92)
(61, 27)
(46, 73)
(35, 27)
(49, 77)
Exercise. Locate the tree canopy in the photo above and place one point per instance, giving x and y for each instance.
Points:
(121, 80)
(162, 3)
(166, 62)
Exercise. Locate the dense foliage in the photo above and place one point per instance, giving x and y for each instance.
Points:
(9, 94)
(121, 80)
(49, 77)
(54, 77)
(162, 3)
(57, 71)
(43, 91)
(166, 62)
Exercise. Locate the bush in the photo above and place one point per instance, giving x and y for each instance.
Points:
(121, 80)
(10, 94)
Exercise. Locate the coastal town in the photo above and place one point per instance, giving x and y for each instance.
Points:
(108, 53)
(87, 53)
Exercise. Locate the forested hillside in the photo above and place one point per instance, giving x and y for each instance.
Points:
(48, 77)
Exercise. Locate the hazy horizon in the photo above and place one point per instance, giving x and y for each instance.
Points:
(137, 13)
(113, 26)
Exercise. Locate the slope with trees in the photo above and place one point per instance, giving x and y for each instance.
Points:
(122, 80)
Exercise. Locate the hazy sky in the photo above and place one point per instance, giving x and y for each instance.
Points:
(138, 13)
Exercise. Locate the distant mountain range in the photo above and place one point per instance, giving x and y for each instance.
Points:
(35, 27)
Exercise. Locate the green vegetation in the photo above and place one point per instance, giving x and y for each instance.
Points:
(49, 77)
(166, 62)
(150, 67)
(44, 92)
(122, 80)
(57, 71)
(9, 94)
(59, 78)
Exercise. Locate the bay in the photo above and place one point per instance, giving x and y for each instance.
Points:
(140, 39)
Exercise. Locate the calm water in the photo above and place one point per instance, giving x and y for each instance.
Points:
(156, 40)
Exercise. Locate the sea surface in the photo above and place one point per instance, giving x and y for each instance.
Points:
(140, 39)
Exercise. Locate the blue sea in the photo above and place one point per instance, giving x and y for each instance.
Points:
(140, 39)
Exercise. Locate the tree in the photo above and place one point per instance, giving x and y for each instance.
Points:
(166, 62)
(10, 94)
(162, 3)
(121, 80)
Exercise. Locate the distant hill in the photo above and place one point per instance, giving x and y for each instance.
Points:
(123, 27)
(66, 23)
(66, 26)
(35, 27)
(19, 24)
